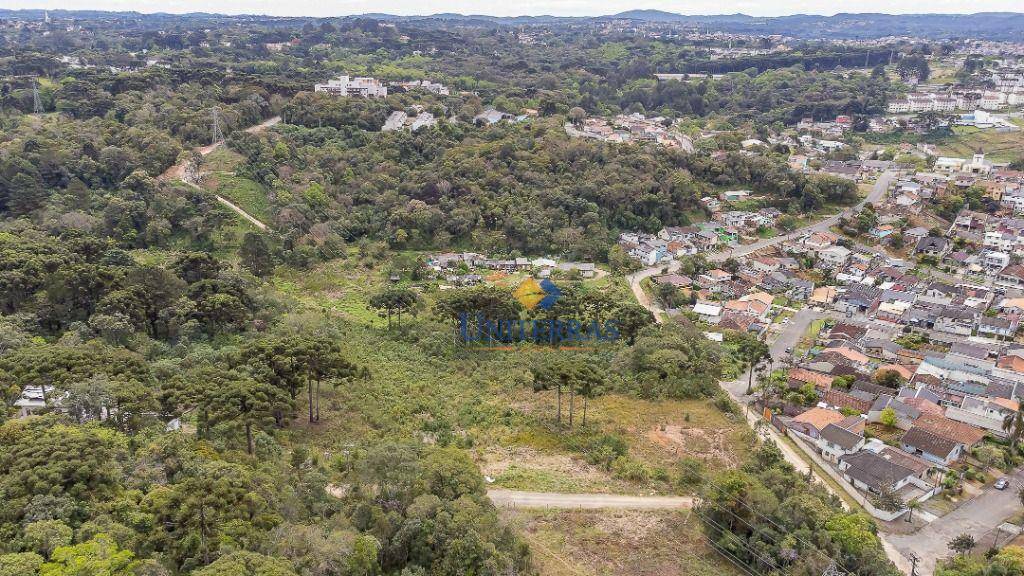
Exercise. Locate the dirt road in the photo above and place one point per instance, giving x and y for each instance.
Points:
(518, 499)
(179, 172)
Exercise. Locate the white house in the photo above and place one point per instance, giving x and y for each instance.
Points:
(834, 256)
(708, 312)
(358, 86)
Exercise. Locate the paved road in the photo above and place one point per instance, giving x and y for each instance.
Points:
(634, 280)
(876, 194)
(976, 517)
(518, 499)
(791, 334)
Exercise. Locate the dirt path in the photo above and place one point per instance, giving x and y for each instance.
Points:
(518, 499)
(179, 171)
(255, 221)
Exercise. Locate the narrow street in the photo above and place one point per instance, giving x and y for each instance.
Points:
(878, 190)
(977, 517)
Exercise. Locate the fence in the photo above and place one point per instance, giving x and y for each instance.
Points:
(855, 494)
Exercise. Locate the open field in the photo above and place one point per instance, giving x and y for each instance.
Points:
(997, 146)
(220, 178)
(424, 389)
(619, 543)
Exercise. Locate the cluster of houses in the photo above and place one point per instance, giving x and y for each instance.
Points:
(464, 268)
(855, 170)
(725, 228)
(946, 400)
(878, 288)
(631, 128)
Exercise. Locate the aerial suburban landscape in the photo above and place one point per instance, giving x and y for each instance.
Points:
(644, 294)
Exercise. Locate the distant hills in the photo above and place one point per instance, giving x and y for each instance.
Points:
(983, 25)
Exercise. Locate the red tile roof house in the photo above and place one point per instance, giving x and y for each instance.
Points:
(950, 429)
(798, 377)
(810, 422)
(839, 399)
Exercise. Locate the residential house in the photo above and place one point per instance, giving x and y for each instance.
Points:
(998, 327)
(905, 414)
(708, 312)
(811, 422)
(931, 246)
(823, 296)
(836, 398)
(931, 446)
(799, 377)
(869, 471)
(985, 413)
(957, 321)
(965, 434)
(835, 442)
(834, 257)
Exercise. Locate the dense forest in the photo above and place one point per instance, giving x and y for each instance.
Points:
(216, 397)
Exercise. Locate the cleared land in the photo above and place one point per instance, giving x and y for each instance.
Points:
(618, 543)
(997, 146)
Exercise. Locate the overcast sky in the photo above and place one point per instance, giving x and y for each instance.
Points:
(523, 7)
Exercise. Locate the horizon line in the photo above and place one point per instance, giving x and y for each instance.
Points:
(441, 15)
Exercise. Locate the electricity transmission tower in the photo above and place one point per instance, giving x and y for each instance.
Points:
(215, 130)
(37, 102)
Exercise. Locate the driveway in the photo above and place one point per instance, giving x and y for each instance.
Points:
(976, 517)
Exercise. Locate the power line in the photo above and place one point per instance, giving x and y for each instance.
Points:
(746, 545)
(751, 526)
(810, 546)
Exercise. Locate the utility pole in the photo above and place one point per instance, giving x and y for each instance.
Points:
(215, 130)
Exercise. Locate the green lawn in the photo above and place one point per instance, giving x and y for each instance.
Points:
(248, 195)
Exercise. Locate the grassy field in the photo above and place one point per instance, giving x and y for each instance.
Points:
(619, 543)
(425, 389)
(997, 146)
(219, 177)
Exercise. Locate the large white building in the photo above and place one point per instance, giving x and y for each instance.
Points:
(358, 86)
(923, 103)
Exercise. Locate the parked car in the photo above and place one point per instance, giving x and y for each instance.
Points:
(1001, 484)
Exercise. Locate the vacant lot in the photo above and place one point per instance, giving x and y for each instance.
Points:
(997, 146)
(424, 390)
(619, 543)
